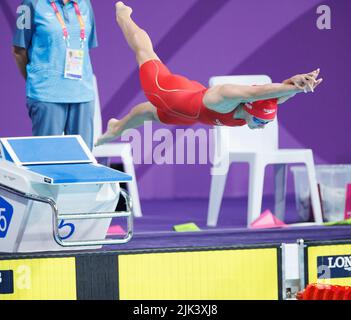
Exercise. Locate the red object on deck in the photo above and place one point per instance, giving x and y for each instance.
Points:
(325, 292)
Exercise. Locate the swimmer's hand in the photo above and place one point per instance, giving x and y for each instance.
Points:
(305, 82)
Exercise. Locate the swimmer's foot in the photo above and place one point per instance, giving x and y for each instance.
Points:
(123, 11)
(110, 134)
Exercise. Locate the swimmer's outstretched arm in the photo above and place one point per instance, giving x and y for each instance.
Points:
(241, 93)
(262, 92)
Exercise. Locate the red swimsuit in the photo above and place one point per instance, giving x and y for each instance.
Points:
(179, 100)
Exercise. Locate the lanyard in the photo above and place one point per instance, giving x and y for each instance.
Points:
(63, 25)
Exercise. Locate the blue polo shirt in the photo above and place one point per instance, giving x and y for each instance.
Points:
(42, 36)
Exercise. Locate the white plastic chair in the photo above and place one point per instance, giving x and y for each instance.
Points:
(121, 150)
(258, 148)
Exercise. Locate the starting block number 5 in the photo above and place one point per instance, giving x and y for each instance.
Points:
(69, 228)
(3, 221)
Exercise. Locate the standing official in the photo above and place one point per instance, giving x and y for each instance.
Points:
(51, 46)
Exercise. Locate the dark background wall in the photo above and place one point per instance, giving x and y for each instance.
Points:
(203, 38)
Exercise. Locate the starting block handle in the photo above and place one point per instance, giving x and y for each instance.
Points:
(103, 215)
(82, 216)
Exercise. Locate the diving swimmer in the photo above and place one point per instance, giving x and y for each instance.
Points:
(176, 100)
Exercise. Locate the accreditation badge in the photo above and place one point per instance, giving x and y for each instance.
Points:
(74, 64)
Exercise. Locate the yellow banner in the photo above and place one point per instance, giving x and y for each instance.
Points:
(39, 279)
(227, 274)
(329, 264)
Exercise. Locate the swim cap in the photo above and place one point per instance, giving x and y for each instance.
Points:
(263, 109)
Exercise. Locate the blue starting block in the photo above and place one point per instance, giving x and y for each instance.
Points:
(55, 196)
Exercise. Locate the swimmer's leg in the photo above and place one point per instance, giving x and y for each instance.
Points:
(137, 38)
(135, 118)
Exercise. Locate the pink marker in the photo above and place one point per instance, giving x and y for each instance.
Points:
(348, 202)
